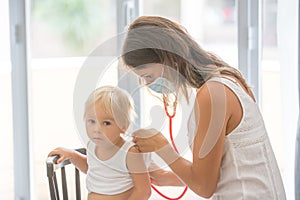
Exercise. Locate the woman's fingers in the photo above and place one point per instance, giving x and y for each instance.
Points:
(149, 140)
(154, 182)
(140, 145)
(137, 147)
(142, 139)
(145, 133)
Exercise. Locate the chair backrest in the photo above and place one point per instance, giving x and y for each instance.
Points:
(52, 168)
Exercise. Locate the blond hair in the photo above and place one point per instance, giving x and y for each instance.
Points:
(116, 102)
(154, 39)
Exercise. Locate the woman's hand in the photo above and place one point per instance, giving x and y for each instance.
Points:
(149, 140)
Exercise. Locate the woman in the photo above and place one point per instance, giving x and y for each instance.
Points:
(232, 155)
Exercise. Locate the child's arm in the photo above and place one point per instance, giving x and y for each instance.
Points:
(139, 173)
(76, 158)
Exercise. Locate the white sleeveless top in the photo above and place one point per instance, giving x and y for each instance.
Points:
(109, 176)
(248, 169)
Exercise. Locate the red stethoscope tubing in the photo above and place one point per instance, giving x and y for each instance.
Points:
(175, 148)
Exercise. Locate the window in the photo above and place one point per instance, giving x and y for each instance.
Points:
(63, 34)
(6, 132)
(270, 98)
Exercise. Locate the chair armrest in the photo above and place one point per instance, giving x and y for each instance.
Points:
(51, 160)
(81, 150)
(52, 165)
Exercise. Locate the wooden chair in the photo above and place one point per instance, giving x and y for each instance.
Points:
(52, 169)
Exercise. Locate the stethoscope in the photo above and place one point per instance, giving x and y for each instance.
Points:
(170, 116)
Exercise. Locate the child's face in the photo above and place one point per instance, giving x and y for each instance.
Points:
(100, 126)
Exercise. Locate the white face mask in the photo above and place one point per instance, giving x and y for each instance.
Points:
(162, 85)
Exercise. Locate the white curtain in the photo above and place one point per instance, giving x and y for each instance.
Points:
(287, 27)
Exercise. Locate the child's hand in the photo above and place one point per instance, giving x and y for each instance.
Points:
(63, 154)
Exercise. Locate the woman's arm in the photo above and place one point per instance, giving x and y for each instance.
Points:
(76, 158)
(139, 173)
(161, 177)
(201, 175)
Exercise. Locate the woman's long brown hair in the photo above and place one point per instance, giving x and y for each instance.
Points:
(154, 39)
